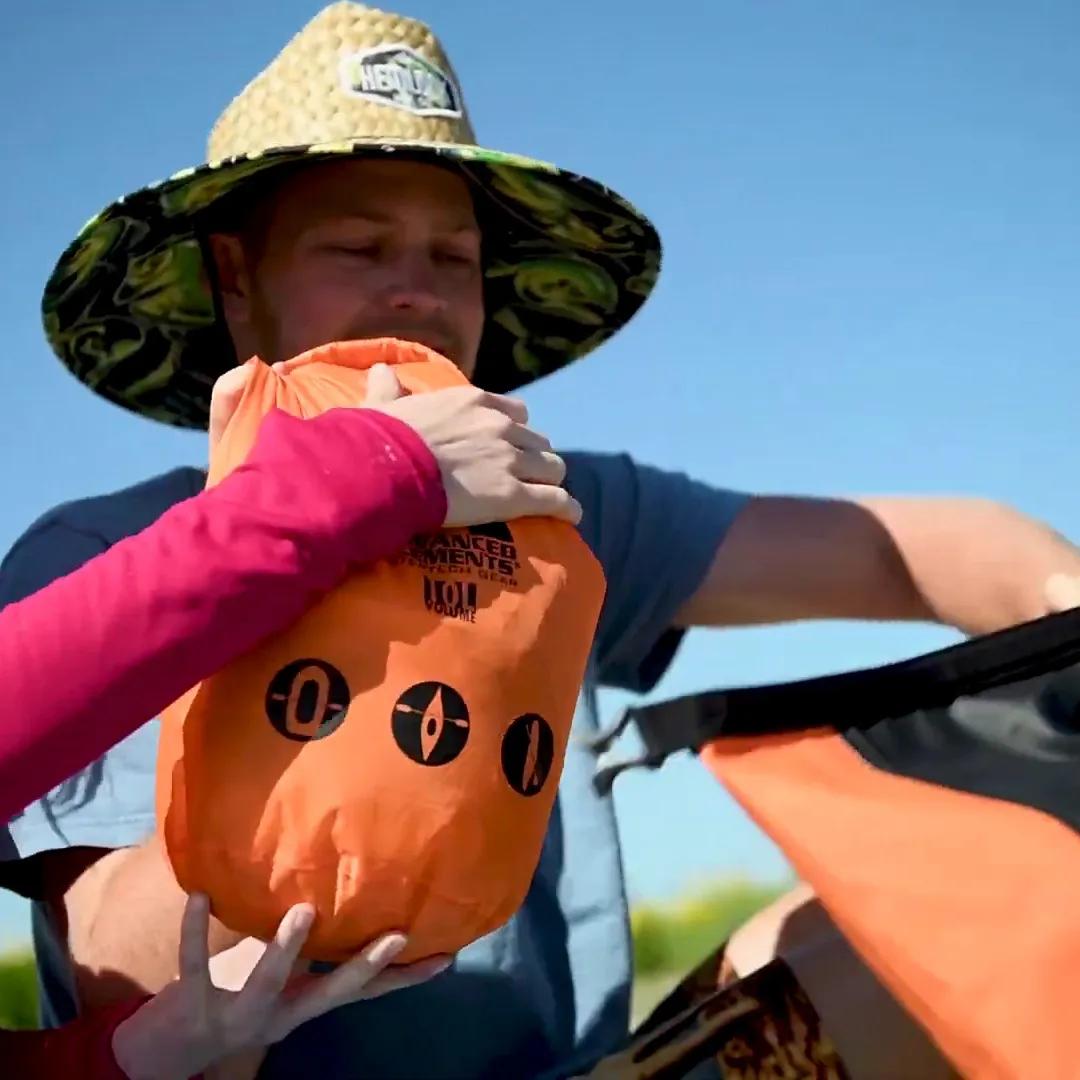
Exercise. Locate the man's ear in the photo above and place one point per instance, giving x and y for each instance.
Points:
(233, 276)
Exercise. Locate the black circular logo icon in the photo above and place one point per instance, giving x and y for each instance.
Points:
(431, 723)
(528, 750)
(307, 699)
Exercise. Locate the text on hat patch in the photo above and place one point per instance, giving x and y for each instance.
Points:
(398, 75)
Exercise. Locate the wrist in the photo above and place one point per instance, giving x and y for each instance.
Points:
(134, 1043)
(377, 484)
(350, 484)
(155, 1041)
(415, 470)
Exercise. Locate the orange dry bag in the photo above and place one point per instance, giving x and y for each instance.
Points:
(393, 757)
(934, 806)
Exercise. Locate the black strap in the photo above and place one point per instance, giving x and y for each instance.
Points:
(851, 700)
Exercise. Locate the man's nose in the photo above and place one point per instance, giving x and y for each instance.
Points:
(414, 286)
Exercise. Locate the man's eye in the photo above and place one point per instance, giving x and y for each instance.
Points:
(355, 250)
(458, 258)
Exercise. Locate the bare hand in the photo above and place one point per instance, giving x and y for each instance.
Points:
(195, 1022)
(494, 468)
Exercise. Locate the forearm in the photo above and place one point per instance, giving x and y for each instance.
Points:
(99, 652)
(82, 1048)
(122, 915)
(974, 564)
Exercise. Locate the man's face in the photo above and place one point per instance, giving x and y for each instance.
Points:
(357, 249)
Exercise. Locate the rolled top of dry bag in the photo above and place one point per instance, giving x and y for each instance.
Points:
(393, 757)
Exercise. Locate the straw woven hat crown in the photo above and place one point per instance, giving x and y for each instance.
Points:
(130, 307)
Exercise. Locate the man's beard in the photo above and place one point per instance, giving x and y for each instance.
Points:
(433, 332)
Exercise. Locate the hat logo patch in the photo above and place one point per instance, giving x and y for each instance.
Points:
(399, 76)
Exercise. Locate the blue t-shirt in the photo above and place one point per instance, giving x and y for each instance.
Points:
(548, 993)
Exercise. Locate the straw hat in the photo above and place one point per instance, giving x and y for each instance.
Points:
(130, 307)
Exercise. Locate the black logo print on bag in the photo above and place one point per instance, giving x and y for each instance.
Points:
(451, 599)
(495, 530)
(528, 750)
(307, 699)
(431, 723)
(485, 552)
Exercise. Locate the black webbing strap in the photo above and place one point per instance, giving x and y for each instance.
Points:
(853, 699)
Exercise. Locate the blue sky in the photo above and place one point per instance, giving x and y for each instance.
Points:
(870, 285)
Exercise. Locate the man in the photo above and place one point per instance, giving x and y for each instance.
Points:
(384, 218)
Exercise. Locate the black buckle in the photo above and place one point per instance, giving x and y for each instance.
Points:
(665, 729)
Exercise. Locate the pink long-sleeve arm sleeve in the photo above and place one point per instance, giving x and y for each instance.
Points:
(94, 655)
(82, 1048)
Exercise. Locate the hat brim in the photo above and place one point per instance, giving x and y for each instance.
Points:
(130, 307)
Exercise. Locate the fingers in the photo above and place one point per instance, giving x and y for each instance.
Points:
(382, 386)
(272, 972)
(545, 500)
(525, 438)
(540, 468)
(511, 407)
(194, 931)
(347, 983)
(401, 978)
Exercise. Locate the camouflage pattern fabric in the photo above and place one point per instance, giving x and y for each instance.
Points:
(131, 309)
(712, 1025)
